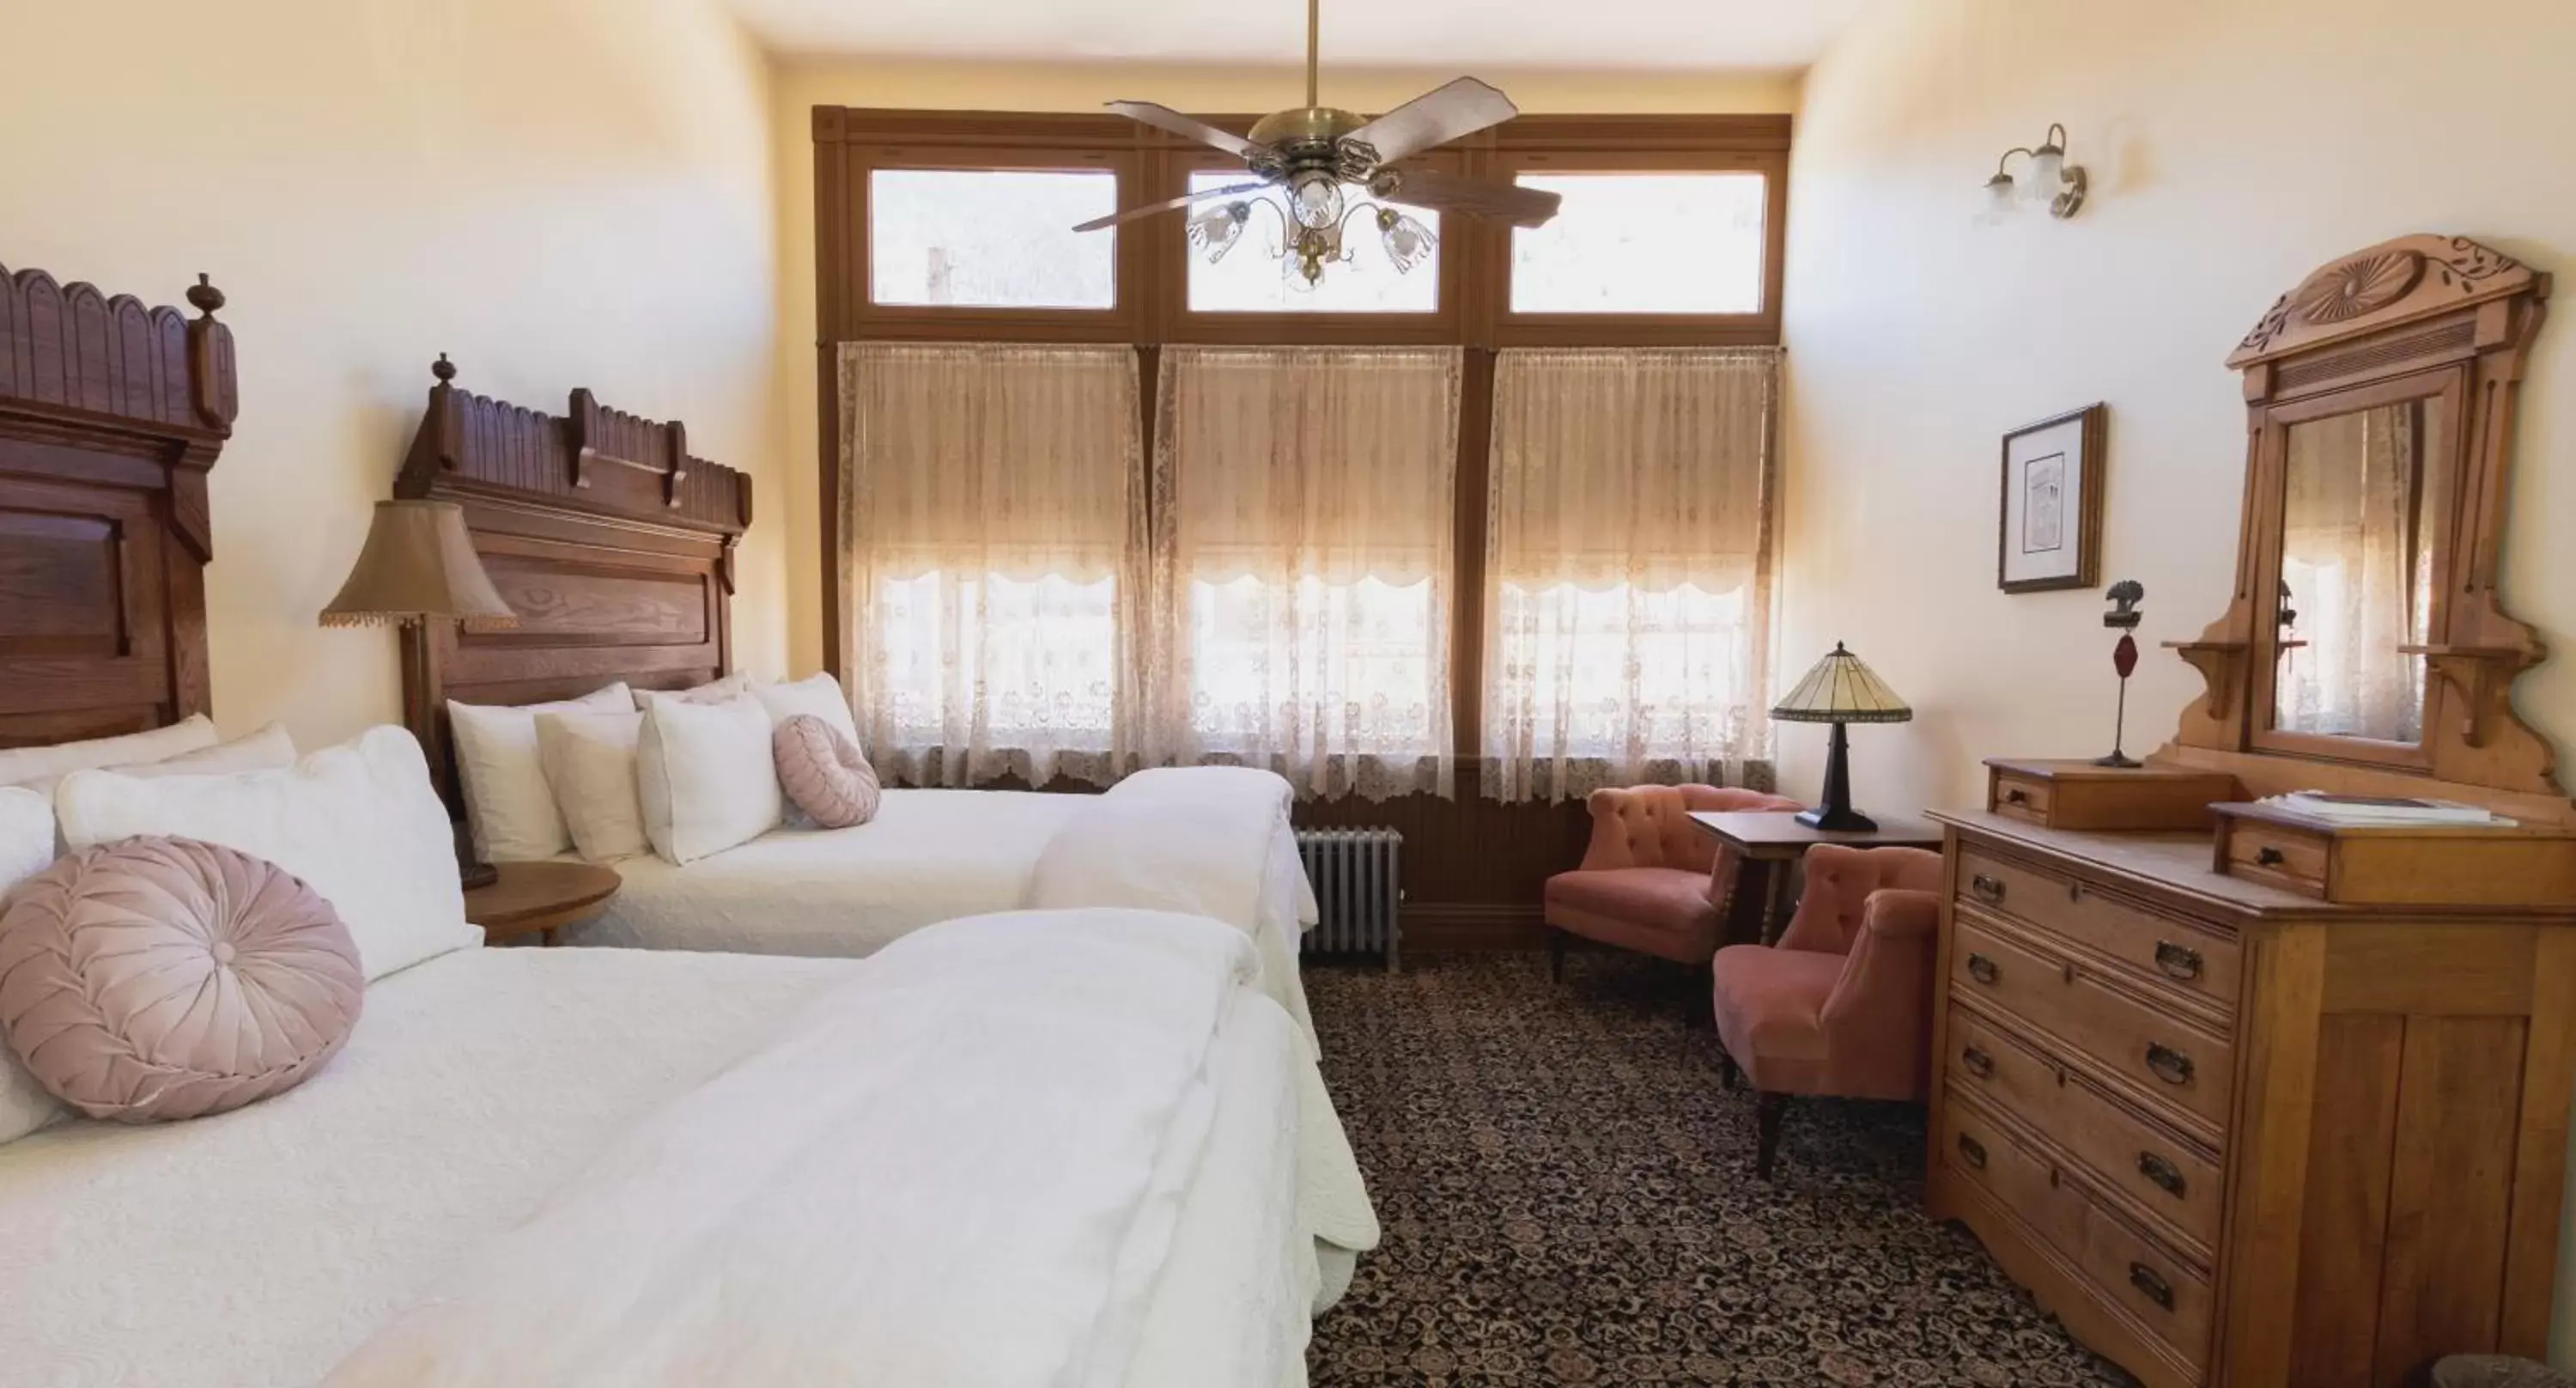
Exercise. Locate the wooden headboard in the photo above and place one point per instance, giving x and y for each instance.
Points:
(613, 545)
(111, 414)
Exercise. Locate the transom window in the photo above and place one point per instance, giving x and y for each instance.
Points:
(1645, 243)
(1239, 261)
(991, 238)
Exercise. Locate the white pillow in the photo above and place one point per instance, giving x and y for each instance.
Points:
(706, 776)
(507, 804)
(359, 822)
(819, 695)
(22, 764)
(266, 750)
(26, 848)
(590, 762)
(712, 692)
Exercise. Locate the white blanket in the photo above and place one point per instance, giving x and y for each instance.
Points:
(1205, 840)
(963, 1166)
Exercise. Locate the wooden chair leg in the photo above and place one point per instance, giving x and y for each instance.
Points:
(1555, 955)
(1767, 1112)
(1727, 1072)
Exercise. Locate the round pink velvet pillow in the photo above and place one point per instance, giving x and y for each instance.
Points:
(824, 772)
(160, 978)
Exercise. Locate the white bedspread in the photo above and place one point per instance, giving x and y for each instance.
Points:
(970, 1164)
(258, 1247)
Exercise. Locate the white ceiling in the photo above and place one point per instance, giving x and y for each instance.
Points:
(1571, 35)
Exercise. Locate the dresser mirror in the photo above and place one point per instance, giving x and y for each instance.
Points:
(2366, 646)
(2356, 572)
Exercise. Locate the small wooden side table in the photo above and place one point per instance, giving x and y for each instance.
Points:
(1771, 841)
(539, 899)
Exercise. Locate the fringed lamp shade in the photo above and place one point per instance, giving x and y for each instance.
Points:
(418, 564)
(1842, 690)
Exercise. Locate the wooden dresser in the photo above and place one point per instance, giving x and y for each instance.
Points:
(2236, 1135)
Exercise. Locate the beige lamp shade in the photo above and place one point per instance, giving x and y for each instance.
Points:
(1842, 690)
(419, 563)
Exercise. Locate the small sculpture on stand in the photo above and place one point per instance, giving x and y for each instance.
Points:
(2123, 617)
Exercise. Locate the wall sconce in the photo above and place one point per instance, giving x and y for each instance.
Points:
(2051, 179)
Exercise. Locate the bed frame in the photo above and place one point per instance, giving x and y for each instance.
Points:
(111, 415)
(612, 543)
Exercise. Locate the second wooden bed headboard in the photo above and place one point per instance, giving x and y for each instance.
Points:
(613, 545)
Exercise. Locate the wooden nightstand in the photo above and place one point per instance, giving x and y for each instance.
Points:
(539, 899)
(1770, 841)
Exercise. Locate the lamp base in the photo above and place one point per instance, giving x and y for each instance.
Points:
(1837, 819)
(2119, 759)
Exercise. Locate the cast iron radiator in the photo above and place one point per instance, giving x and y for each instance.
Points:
(1354, 875)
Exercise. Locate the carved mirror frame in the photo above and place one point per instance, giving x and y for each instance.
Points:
(2420, 317)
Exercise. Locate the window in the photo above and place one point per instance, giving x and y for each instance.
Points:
(1645, 243)
(1254, 273)
(991, 238)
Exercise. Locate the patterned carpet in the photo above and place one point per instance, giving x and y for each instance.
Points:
(1568, 1197)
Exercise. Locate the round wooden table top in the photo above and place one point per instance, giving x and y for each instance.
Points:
(535, 897)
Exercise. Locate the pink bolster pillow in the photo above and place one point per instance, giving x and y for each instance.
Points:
(824, 772)
(163, 978)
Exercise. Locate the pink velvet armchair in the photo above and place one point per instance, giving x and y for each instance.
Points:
(1842, 1005)
(1651, 881)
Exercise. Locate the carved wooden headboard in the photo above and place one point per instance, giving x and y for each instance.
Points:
(613, 545)
(111, 414)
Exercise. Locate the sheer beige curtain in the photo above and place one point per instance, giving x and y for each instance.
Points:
(1628, 569)
(992, 534)
(1303, 557)
(2359, 575)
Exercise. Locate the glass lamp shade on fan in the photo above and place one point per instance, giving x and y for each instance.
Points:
(1840, 690)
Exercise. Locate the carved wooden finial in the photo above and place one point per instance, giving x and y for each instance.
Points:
(443, 369)
(204, 297)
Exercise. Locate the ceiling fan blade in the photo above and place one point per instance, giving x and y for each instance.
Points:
(1168, 204)
(1504, 202)
(1166, 119)
(1435, 118)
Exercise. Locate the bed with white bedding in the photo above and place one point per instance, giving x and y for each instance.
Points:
(490, 1097)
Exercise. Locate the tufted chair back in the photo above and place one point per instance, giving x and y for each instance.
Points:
(1839, 883)
(1649, 826)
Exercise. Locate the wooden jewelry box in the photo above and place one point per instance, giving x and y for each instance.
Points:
(2071, 794)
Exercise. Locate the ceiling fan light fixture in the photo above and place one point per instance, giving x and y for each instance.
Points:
(1213, 232)
(1408, 242)
(1315, 199)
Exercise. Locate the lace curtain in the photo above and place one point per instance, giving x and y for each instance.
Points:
(1628, 569)
(1303, 557)
(2359, 576)
(992, 523)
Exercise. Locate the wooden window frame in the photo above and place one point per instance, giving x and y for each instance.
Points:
(1153, 268)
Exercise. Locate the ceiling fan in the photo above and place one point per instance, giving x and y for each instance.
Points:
(1310, 153)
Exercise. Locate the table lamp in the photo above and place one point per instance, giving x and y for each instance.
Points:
(1840, 690)
(418, 566)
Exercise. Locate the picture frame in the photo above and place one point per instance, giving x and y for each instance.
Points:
(2048, 528)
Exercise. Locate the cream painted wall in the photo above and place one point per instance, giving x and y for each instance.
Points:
(798, 87)
(560, 193)
(2233, 147)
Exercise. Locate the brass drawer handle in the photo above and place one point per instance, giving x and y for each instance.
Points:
(1978, 1062)
(1988, 889)
(1983, 969)
(1972, 1151)
(2178, 961)
(2169, 1065)
(2156, 1288)
(2166, 1176)
(2268, 856)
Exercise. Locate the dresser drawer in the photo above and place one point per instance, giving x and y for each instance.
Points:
(2020, 1178)
(2275, 855)
(2160, 949)
(2169, 1062)
(2162, 1172)
(2173, 1301)
(2019, 796)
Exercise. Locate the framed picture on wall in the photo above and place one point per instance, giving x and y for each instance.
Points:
(2051, 528)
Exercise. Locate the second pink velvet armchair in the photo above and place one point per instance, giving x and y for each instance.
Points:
(1651, 881)
(1843, 1004)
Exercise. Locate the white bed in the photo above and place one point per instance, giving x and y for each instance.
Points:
(265, 1245)
(936, 855)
